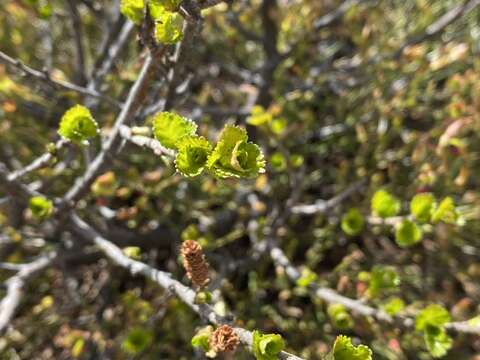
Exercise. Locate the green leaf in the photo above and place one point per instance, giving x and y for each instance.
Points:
(278, 161)
(422, 206)
(169, 28)
(382, 278)
(296, 160)
(158, 7)
(138, 339)
(259, 116)
(201, 338)
(278, 125)
(432, 315)
(339, 316)
(233, 156)
(407, 234)
(384, 204)
(203, 297)
(78, 347)
(445, 212)
(78, 125)
(40, 207)
(352, 222)
(169, 128)
(437, 341)
(133, 252)
(133, 10)
(394, 306)
(267, 346)
(343, 349)
(193, 152)
(306, 278)
(45, 10)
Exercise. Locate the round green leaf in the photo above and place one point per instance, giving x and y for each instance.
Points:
(382, 278)
(343, 349)
(384, 204)
(437, 341)
(445, 212)
(40, 207)
(394, 306)
(422, 206)
(169, 128)
(432, 315)
(133, 10)
(267, 346)
(407, 234)
(169, 28)
(78, 125)
(339, 316)
(138, 339)
(193, 152)
(278, 161)
(233, 156)
(352, 222)
(158, 7)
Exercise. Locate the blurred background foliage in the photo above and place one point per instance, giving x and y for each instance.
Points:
(329, 106)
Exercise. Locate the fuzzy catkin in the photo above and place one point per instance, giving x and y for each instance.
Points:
(224, 339)
(195, 263)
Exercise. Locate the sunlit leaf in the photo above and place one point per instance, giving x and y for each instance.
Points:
(169, 128)
(352, 222)
(233, 156)
(339, 316)
(382, 278)
(133, 10)
(40, 207)
(138, 339)
(407, 233)
(394, 306)
(193, 152)
(343, 349)
(422, 206)
(169, 28)
(446, 212)
(385, 204)
(432, 315)
(267, 346)
(78, 125)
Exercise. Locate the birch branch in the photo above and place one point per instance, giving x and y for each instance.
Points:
(145, 142)
(45, 77)
(322, 206)
(330, 296)
(164, 279)
(38, 163)
(135, 96)
(15, 286)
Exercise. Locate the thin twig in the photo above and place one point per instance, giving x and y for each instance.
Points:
(38, 163)
(109, 54)
(438, 26)
(330, 296)
(145, 142)
(44, 76)
(77, 29)
(15, 285)
(135, 97)
(322, 206)
(335, 15)
(162, 278)
(14, 188)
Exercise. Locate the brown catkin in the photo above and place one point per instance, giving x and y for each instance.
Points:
(194, 263)
(224, 339)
